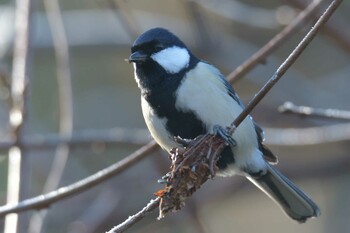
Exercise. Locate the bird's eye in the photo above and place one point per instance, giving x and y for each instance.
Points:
(159, 47)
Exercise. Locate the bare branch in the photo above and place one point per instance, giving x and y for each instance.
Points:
(5, 84)
(136, 217)
(45, 200)
(17, 182)
(114, 136)
(123, 14)
(308, 136)
(289, 107)
(332, 30)
(288, 62)
(274, 43)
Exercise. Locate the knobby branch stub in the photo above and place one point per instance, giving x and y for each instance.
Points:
(191, 166)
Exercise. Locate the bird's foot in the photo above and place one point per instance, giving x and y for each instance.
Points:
(183, 141)
(188, 142)
(224, 134)
(164, 179)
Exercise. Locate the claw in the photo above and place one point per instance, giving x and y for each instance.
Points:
(183, 141)
(223, 133)
(164, 179)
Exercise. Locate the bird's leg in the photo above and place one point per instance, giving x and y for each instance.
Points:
(224, 134)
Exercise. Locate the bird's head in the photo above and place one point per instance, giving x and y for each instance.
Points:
(159, 51)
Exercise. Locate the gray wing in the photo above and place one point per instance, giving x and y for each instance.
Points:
(268, 155)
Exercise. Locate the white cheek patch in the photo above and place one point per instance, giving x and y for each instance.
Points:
(172, 59)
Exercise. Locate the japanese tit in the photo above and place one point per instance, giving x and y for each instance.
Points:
(184, 96)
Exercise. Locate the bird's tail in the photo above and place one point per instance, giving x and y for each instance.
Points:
(287, 195)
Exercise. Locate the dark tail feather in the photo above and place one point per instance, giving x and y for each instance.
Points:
(295, 203)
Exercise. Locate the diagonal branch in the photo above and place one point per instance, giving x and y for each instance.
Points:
(45, 200)
(274, 43)
(136, 217)
(288, 62)
(332, 30)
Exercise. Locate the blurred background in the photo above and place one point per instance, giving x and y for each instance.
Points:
(81, 87)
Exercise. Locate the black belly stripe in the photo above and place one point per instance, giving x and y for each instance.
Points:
(187, 125)
(227, 157)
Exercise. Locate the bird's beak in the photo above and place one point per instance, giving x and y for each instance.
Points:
(137, 57)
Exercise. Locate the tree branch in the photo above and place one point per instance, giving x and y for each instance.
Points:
(45, 200)
(123, 15)
(274, 43)
(308, 136)
(136, 217)
(18, 163)
(288, 62)
(332, 30)
(289, 107)
(114, 136)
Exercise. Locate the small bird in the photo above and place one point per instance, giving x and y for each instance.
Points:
(184, 96)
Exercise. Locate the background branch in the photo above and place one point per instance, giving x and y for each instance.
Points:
(18, 162)
(45, 200)
(123, 14)
(289, 107)
(332, 29)
(275, 42)
(308, 136)
(288, 62)
(112, 137)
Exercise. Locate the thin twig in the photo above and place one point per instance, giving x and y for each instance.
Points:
(124, 137)
(45, 200)
(136, 217)
(287, 63)
(308, 136)
(112, 137)
(5, 83)
(125, 17)
(65, 99)
(274, 43)
(17, 176)
(265, 89)
(204, 37)
(289, 107)
(332, 29)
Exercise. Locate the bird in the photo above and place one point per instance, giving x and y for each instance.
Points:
(184, 96)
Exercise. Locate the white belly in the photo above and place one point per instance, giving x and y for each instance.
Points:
(157, 127)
